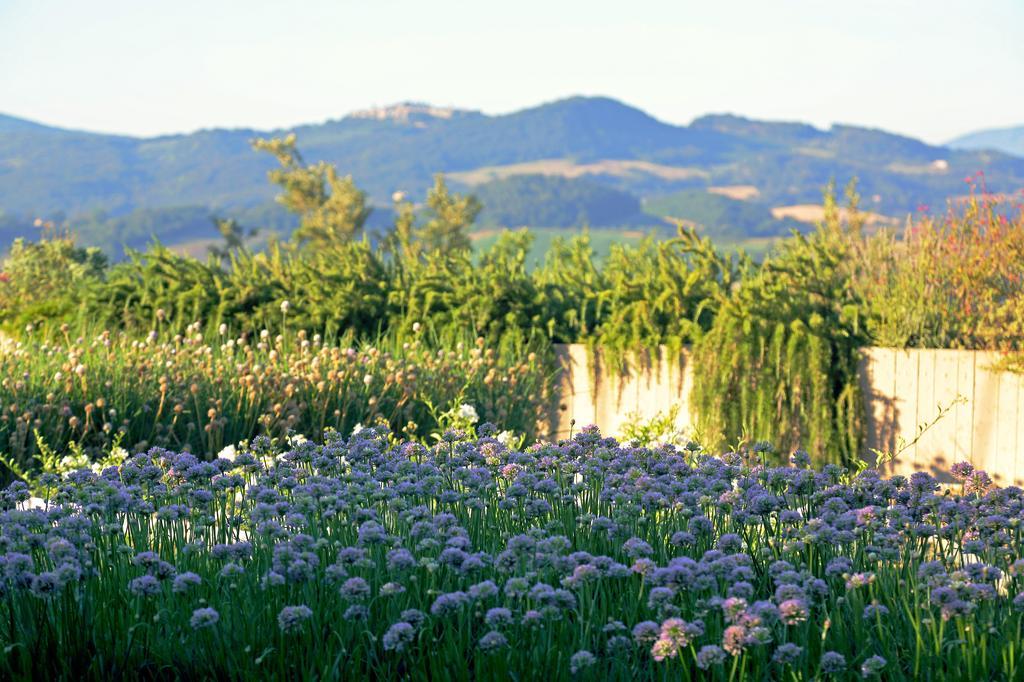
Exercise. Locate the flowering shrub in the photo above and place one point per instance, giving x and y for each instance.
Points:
(370, 558)
(952, 281)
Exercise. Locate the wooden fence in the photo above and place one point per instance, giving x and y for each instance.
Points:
(902, 390)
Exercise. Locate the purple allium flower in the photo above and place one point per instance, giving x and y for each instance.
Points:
(682, 538)
(516, 587)
(46, 584)
(646, 632)
(872, 666)
(492, 641)
(741, 590)
(729, 543)
(710, 655)
(930, 570)
(400, 559)
(291, 618)
(355, 589)
(413, 616)
(498, 617)
(618, 644)
(483, 590)
(231, 570)
(449, 603)
(399, 636)
(957, 608)
(1018, 602)
(978, 483)
(581, 660)
(146, 559)
(635, 548)
(356, 612)
(660, 596)
(800, 459)
(144, 586)
(272, 579)
(204, 618)
(183, 582)
(787, 653)
(532, 618)
(875, 610)
(787, 591)
(832, 663)
(961, 470)
(372, 533)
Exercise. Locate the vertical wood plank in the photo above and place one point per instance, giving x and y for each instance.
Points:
(963, 414)
(1018, 470)
(1005, 470)
(877, 379)
(906, 407)
(687, 419)
(926, 409)
(986, 414)
(584, 405)
(937, 446)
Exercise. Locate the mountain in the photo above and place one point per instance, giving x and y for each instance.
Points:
(120, 190)
(1006, 140)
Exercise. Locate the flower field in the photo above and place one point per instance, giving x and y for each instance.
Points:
(374, 557)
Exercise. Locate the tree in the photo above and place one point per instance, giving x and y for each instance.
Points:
(234, 237)
(450, 217)
(331, 208)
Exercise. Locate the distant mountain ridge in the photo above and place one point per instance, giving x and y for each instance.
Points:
(114, 185)
(1007, 140)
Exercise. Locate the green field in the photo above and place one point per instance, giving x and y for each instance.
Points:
(602, 240)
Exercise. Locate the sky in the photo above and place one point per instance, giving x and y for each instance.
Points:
(931, 69)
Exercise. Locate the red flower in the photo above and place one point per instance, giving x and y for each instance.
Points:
(4, 277)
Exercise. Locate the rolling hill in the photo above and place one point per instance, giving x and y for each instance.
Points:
(121, 190)
(1006, 140)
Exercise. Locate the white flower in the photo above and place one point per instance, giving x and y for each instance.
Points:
(505, 438)
(223, 329)
(368, 379)
(357, 428)
(398, 196)
(228, 453)
(70, 463)
(296, 440)
(285, 305)
(415, 327)
(468, 412)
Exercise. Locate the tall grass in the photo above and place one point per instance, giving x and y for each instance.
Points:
(201, 391)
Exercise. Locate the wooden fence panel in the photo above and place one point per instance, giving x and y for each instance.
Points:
(902, 389)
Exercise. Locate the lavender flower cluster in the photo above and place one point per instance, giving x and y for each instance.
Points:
(582, 558)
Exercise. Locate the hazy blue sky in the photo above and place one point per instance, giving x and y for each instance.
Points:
(932, 69)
